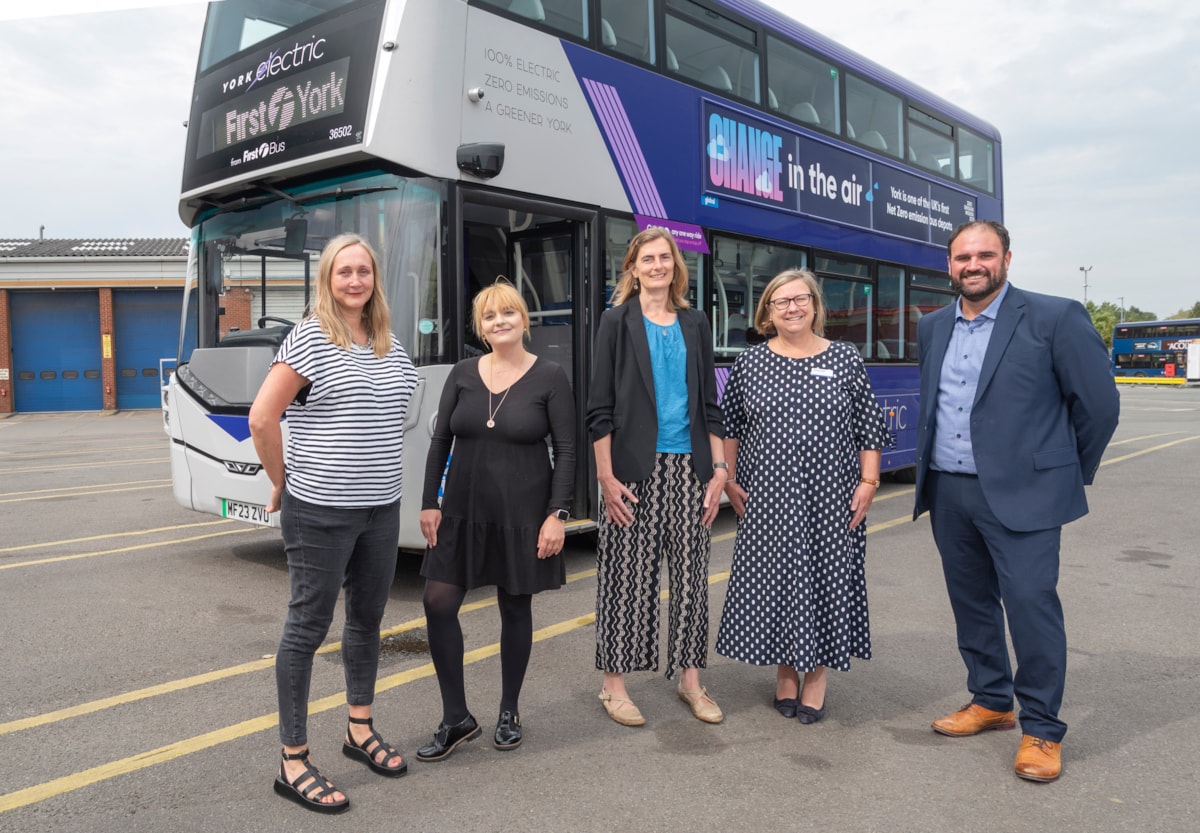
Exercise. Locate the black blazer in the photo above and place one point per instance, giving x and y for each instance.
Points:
(621, 400)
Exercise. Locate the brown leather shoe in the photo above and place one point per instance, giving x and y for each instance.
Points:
(1038, 759)
(971, 720)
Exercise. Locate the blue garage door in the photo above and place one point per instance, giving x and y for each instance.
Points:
(145, 329)
(56, 351)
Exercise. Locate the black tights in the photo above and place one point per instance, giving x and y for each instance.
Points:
(442, 603)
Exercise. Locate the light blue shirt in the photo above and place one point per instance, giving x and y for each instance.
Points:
(957, 385)
(668, 360)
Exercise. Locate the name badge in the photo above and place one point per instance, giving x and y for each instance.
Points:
(822, 371)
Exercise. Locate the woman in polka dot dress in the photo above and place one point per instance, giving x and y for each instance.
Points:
(803, 440)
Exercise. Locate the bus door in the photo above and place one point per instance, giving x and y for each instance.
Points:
(543, 251)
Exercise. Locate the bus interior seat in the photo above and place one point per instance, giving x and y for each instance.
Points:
(772, 101)
(849, 130)
(531, 9)
(805, 112)
(881, 351)
(672, 61)
(717, 78)
(608, 38)
(874, 139)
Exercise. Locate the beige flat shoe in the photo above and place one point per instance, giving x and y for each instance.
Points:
(621, 709)
(703, 706)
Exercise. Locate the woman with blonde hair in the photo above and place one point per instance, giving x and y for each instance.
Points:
(501, 520)
(656, 429)
(344, 382)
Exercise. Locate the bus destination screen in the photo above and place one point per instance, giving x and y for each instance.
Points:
(302, 93)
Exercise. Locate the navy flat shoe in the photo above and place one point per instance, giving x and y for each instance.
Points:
(808, 715)
(787, 706)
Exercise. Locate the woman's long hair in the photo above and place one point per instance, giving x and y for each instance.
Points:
(628, 285)
(376, 317)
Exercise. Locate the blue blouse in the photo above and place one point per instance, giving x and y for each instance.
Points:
(668, 360)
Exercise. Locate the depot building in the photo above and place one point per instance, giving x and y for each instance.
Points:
(88, 325)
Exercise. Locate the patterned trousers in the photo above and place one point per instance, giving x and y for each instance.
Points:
(666, 521)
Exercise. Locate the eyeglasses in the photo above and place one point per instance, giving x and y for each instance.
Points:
(782, 304)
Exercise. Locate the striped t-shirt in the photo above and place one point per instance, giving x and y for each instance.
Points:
(344, 442)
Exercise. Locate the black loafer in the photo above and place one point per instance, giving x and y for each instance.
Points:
(446, 738)
(787, 706)
(508, 731)
(808, 715)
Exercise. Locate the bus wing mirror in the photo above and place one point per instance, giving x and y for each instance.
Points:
(481, 159)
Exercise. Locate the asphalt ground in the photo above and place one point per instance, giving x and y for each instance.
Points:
(137, 689)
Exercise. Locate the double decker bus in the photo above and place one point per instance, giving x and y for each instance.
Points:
(532, 138)
(1156, 348)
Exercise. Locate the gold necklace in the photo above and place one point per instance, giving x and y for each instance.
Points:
(491, 422)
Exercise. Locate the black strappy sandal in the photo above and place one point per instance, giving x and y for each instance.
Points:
(318, 787)
(368, 751)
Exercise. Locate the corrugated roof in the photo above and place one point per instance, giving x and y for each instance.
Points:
(96, 247)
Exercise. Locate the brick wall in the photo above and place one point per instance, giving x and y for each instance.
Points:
(108, 353)
(236, 303)
(6, 371)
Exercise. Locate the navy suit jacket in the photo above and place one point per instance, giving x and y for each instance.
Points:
(621, 399)
(1045, 408)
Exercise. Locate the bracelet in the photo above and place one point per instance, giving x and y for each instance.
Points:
(721, 465)
(874, 483)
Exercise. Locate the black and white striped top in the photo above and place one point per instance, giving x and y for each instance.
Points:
(345, 440)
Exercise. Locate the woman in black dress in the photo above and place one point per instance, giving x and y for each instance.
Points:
(495, 411)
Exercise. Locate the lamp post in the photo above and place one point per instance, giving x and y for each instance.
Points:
(1085, 270)
(1121, 298)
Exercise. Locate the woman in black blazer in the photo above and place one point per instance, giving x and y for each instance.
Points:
(657, 432)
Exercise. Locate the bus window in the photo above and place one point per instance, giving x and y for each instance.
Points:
(847, 312)
(802, 87)
(232, 27)
(930, 142)
(712, 50)
(889, 319)
(873, 117)
(627, 28)
(975, 161)
(741, 270)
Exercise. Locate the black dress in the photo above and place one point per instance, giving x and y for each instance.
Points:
(501, 483)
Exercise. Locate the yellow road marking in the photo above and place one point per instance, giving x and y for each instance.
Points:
(94, 491)
(114, 535)
(76, 466)
(59, 558)
(158, 481)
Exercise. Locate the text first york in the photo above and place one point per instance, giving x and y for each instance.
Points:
(744, 158)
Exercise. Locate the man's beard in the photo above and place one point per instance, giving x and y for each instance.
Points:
(993, 283)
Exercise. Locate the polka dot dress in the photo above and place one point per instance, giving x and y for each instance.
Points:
(797, 589)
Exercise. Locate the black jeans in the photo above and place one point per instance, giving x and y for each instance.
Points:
(329, 548)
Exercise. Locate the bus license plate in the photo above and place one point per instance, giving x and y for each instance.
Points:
(249, 512)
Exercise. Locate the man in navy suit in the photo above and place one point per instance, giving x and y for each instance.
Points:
(1017, 405)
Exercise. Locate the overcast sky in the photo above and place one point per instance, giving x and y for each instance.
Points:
(1097, 101)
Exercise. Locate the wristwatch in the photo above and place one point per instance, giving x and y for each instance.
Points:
(561, 514)
(721, 465)
(874, 483)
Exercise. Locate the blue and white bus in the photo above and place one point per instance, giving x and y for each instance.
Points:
(532, 138)
(1155, 348)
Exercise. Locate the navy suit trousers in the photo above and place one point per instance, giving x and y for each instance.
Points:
(991, 570)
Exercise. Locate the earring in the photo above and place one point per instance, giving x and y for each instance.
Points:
(636, 285)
